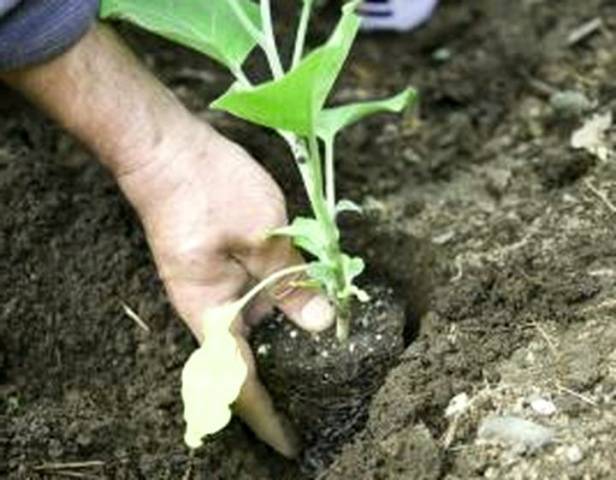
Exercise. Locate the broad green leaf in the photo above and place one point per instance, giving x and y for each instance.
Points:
(294, 101)
(331, 120)
(306, 234)
(345, 205)
(209, 26)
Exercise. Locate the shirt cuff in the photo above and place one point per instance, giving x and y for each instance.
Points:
(32, 31)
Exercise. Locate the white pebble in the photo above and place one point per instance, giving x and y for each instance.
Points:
(516, 431)
(293, 333)
(352, 347)
(457, 405)
(324, 354)
(574, 454)
(543, 406)
(263, 349)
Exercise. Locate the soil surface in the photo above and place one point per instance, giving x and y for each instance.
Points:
(499, 234)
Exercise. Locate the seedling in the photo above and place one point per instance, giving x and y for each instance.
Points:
(292, 103)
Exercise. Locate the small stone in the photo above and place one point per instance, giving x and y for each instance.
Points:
(324, 354)
(457, 405)
(542, 406)
(570, 103)
(55, 448)
(574, 454)
(442, 54)
(263, 349)
(293, 333)
(84, 439)
(497, 180)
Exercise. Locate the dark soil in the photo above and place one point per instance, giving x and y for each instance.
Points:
(499, 235)
(324, 385)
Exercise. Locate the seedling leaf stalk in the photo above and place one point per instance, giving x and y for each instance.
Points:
(292, 103)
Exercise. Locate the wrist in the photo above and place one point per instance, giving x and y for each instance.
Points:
(150, 173)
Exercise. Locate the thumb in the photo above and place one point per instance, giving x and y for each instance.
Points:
(308, 308)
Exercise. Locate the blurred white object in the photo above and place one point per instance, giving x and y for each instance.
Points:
(400, 15)
(516, 431)
(457, 405)
(592, 136)
(543, 406)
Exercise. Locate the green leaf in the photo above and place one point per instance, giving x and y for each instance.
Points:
(294, 101)
(306, 234)
(352, 267)
(345, 205)
(325, 275)
(209, 26)
(330, 121)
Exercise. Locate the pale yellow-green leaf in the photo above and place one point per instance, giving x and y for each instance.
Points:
(212, 377)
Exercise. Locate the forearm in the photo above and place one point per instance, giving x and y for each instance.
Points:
(100, 93)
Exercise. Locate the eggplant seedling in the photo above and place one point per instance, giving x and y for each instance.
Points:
(292, 103)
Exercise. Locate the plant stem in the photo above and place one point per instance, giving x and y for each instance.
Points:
(241, 77)
(326, 218)
(315, 162)
(265, 39)
(343, 325)
(300, 39)
(330, 181)
(269, 44)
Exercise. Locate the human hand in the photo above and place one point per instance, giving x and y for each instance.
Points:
(207, 206)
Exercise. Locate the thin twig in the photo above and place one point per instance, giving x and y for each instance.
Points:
(584, 31)
(577, 395)
(602, 196)
(130, 313)
(546, 337)
(541, 87)
(68, 473)
(69, 465)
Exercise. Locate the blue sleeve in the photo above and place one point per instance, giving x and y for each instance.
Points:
(32, 31)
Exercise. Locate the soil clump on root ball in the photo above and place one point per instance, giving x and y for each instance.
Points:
(324, 385)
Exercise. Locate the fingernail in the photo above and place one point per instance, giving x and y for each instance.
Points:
(317, 314)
